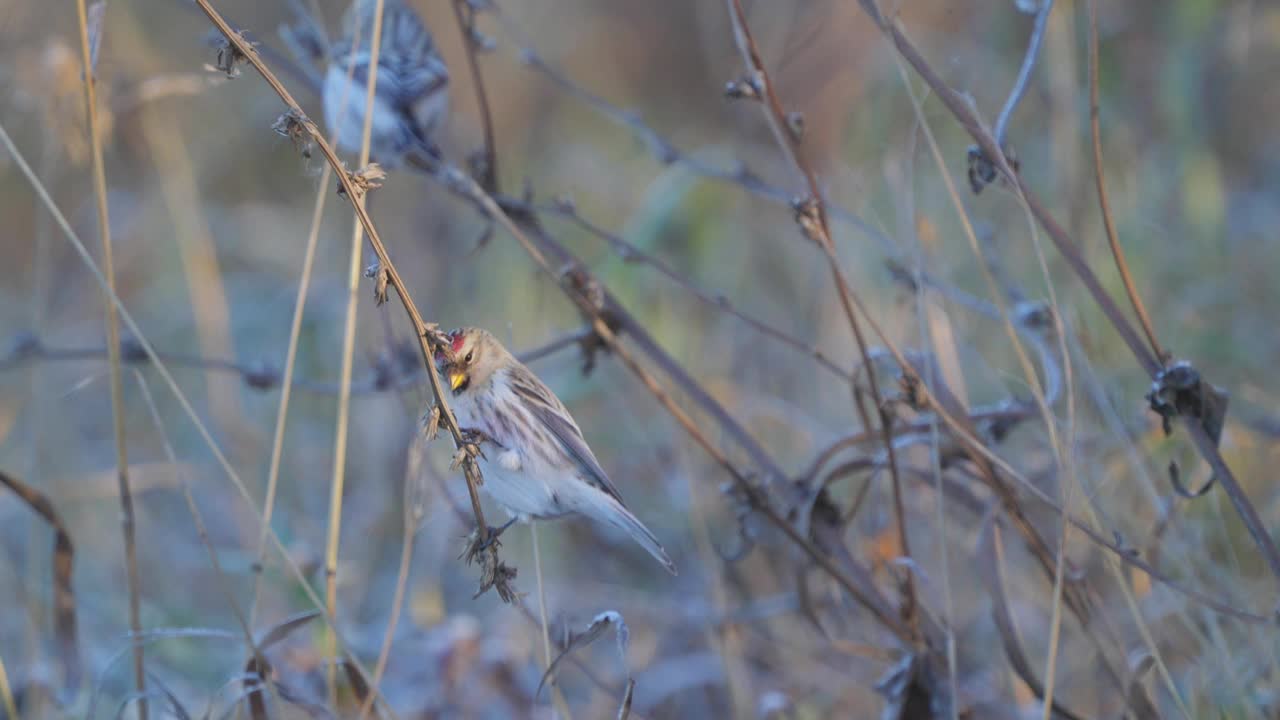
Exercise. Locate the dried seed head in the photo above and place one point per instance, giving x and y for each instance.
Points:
(293, 126)
(229, 56)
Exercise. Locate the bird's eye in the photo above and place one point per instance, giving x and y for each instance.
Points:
(467, 359)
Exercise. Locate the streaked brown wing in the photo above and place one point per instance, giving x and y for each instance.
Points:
(548, 410)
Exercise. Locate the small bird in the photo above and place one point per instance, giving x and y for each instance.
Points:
(539, 465)
(412, 94)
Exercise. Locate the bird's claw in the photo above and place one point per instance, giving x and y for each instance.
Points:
(475, 544)
(475, 436)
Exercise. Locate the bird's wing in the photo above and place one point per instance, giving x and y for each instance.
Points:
(410, 53)
(547, 409)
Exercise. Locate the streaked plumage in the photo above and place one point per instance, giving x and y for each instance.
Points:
(539, 464)
(412, 94)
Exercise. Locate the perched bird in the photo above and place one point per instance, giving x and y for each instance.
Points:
(538, 464)
(412, 94)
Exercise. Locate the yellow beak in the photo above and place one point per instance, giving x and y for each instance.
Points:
(456, 378)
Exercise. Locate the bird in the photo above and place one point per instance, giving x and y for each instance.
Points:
(539, 465)
(411, 99)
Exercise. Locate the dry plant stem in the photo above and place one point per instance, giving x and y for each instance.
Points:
(562, 706)
(820, 233)
(666, 152)
(183, 401)
(465, 13)
(959, 107)
(630, 253)
(32, 349)
(286, 386)
(1104, 204)
(412, 518)
(421, 330)
(6, 693)
(1024, 73)
(224, 583)
(941, 506)
(338, 483)
(113, 347)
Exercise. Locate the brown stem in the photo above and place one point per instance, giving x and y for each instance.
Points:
(1116, 251)
(127, 521)
(465, 14)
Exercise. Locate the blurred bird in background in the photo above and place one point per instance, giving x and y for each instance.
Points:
(411, 97)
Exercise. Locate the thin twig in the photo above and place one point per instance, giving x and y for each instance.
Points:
(465, 13)
(286, 386)
(197, 519)
(1104, 203)
(259, 375)
(127, 526)
(412, 518)
(628, 252)
(338, 482)
(1024, 72)
(665, 151)
(557, 697)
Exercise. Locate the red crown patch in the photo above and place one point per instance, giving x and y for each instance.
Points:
(456, 337)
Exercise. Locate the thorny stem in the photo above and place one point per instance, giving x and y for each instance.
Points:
(128, 527)
(426, 334)
(1024, 73)
(811, 215)
(1104, 204)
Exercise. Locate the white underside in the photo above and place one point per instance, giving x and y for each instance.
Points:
(525, 484)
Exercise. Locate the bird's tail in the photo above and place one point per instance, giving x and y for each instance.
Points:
(620, 517)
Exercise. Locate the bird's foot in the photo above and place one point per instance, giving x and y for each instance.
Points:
(476, 436)
(475, 544)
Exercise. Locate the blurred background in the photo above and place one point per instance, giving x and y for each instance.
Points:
(210, 213)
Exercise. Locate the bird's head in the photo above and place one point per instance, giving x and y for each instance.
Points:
(473, 355)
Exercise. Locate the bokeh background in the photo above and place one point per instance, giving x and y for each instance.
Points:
(210, 212)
